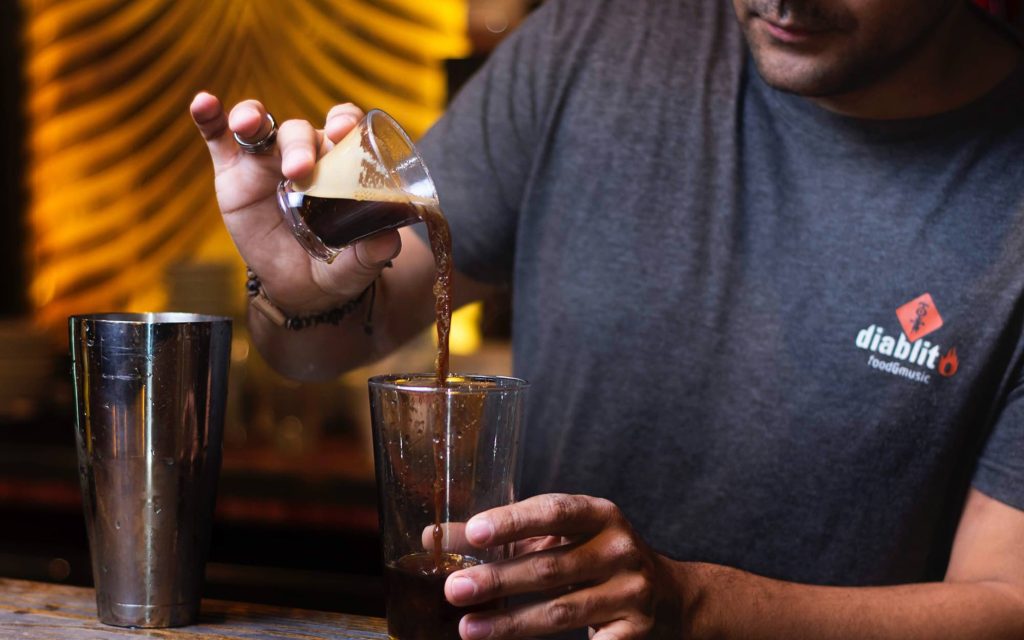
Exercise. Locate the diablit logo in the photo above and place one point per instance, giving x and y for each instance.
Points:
(919, 317)
(908, 354)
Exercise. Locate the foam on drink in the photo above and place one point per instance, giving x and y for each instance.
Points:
(351, 170)
(351, 195)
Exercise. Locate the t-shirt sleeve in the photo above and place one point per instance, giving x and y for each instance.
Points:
(480, 152)
(1000, 470)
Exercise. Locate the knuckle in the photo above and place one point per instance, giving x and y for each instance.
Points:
(294, 125)
(562, 505)
(623, 551)
(509, 626)
(490, 579)
(511, 520)
(561, 614)
(626, 547)
(546, 568)
(591, 601)
(638, 589)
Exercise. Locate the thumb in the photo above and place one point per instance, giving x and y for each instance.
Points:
(357, 265)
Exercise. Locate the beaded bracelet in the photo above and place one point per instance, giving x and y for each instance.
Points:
(259, 300)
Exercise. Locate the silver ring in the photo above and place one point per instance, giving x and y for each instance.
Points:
(263, 143)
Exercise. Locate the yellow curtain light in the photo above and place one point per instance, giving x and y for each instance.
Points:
(120, 182)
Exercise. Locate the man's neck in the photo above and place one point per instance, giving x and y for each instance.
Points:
(966, 58)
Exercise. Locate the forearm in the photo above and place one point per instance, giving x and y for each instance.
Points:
(381, 323)
(402, 306)
(728, 603)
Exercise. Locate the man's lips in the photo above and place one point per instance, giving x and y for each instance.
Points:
(791, 33)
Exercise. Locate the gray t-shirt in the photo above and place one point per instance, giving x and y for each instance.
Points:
(779, 339)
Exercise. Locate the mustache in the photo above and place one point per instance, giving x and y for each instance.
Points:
(808, 14)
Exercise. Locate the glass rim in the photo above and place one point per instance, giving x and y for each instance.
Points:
(148, 317)
(371, 118)
(394, 382)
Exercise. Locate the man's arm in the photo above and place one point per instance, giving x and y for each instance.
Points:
(600, 574)
(298, 285)
(982, 596)
(402, 305)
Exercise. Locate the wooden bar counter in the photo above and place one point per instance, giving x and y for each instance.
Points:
(40, 611)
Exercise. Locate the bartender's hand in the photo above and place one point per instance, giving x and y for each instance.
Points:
(580, 556)
(246, 187)
(603, 576)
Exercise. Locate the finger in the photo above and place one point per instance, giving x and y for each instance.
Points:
(453, 538)
(249, 120)
(530, 545)
(356, 266)
(619, 630)
(563, 566)
(208, 114)
(556, 514)
(375, 252)
(341, 119)
(298, 141)
(573, 610)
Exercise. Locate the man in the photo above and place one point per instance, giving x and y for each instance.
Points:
(767, 295)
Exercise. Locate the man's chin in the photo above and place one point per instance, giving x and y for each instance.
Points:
(800, 78)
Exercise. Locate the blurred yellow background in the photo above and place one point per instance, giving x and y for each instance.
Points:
(121, 209)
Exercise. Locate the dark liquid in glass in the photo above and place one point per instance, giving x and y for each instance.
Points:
(417, 608)
(339, 222)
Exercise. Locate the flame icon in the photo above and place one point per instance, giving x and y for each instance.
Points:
(949, 363)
